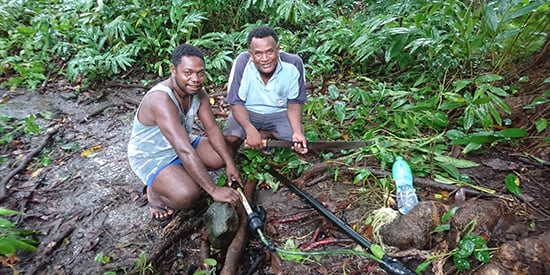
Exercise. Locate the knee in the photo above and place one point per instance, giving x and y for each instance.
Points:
(184, 199)
(234, 142)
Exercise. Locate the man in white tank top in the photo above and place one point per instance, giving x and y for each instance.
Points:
(163, 152)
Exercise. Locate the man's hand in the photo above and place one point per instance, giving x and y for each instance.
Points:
(232, 174)
(300, 143)
(226, 194)
(254, 141)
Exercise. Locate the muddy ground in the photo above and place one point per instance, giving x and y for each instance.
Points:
(88, 202)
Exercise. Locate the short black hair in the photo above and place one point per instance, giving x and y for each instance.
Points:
(185, 50)
(261, 32)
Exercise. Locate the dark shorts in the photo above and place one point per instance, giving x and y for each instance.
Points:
(276, 122)
(176, 161)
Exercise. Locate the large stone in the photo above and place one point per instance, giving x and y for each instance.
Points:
(222, 222)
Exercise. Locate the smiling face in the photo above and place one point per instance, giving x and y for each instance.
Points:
(265, 53)
(189, 75)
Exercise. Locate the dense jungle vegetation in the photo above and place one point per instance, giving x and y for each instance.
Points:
(414, 76)
(429, 80)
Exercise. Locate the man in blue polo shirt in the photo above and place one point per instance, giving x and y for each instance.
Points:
(266, 91)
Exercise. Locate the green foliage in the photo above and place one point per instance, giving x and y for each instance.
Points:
(445, 221)
(475, 140)
(13, 239)
(102, 259)
(10, 128)
(424, 60)
(470, 246)
(431, 38)
(210, 264)
(512, 183)
(256, 162)
(416, 41)
(254, 166)
(143, 266)
(480, 105)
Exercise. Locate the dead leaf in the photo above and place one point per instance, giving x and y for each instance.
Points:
(88, 152)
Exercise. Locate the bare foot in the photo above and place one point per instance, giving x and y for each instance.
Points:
(158, 210)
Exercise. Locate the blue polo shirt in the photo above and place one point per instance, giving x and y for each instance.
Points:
(287, 85)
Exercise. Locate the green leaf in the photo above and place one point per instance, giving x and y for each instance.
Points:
(461, 263)
(511, 133)
(10, 246)
(482, 100)
(377, 251)
(471, 147)
(4, 223)
(488, 78)
(541, 124)
(497, 91)
(458, 163)
(5, 212)
(455, 134)
(469, 117)
(448, 214)
(478, 241)
(536, 102)
(465, 248)
(6, 247)
(333, 91)
(450, 169)
(512, 183)
(210, 262)
(421, 267)
(441, 228)
(490, 15)
(496, 99)
(460, 84)
(525, 10)
(482, 256)
(340, 110)
(441, 119)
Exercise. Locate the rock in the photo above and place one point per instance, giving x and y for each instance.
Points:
(221, 221)
(68, 96)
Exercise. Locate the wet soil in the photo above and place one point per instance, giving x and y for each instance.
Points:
(87, 202)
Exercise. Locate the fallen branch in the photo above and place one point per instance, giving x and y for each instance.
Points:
(49, 246)
(23, 164)
(99, 110)
(233, 257)
(114, 84)
(423, 182)
(182, 225)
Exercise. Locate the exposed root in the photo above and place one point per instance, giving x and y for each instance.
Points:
(382, 217)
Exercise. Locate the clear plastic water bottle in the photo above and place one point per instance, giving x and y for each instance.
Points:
(402, 175)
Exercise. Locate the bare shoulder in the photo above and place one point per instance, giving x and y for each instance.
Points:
(156, 99)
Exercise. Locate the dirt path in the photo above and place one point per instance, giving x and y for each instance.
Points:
(90, 205)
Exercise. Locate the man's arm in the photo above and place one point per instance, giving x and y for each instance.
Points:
(253, 136)
(165, 115)
(216, 138)
(294, 113)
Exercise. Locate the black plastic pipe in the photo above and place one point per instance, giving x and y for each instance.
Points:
(389, 264)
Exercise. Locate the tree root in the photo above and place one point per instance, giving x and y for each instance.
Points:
(233, 257)
(527, 256)
(183, 224)
(23, 164)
